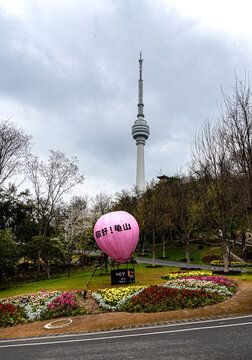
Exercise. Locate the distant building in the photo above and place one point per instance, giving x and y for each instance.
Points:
(162, 177)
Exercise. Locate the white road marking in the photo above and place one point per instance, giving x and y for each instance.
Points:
(125, 336)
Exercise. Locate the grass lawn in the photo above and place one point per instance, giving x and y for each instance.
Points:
(78, 281)
(174, 253)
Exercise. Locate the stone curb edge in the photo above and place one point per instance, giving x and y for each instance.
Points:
(162, 323)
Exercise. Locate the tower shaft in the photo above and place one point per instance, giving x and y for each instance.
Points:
(140, 173)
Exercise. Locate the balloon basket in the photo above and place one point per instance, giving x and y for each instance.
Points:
(122, 276)
(119, 275)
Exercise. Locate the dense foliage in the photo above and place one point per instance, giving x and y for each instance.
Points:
(9, 253)
(208, 258)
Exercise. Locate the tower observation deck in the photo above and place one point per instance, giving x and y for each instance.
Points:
(140, 132)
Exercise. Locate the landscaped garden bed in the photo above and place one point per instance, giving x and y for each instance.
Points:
(38, 306)
(182, 290)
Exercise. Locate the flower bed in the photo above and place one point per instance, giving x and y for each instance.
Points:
(112, 299)
(179, 274)
(63, 305)
(233, 263)
(220, 280)
(162, 298)
(34, 303)
(45, 304)
(196, 284)
(11, 315)
(203, 289)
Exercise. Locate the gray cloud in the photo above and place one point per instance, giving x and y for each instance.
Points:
(70, 76)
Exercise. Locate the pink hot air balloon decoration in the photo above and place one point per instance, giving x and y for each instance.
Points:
(117, 234)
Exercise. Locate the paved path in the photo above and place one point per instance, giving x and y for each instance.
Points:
(181, 264)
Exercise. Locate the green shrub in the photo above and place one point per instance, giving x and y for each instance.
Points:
(208, 258)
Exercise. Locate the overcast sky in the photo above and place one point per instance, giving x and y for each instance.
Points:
(69, 78)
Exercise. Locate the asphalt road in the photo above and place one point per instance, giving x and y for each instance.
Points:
(227, 338)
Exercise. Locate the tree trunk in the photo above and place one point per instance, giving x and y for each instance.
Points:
(143, 250)
(164, 250)
(248, 220)
(163, 244)
(68, 269)
(225, 255)
(47, 269)
(143, 243)
(69, 265)
(48, 275)
(187, 251)
(38, 264)
(154, 248)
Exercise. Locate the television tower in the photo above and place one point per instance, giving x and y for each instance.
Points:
(140, 132)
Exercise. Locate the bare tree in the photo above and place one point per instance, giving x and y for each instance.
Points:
(14, 146)
(148, 216)
(166, 210)
(184, 197)
(236, 131)
(73, 227)
(102, 204)
(213, 168)
(50, 182)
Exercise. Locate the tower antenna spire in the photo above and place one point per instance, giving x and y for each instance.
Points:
(140, 66)
(140, 88)
(140, 131)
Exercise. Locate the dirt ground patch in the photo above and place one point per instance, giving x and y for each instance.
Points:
(95, 319)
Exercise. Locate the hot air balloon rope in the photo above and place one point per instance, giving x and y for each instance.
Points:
(145, 280)
(92, 274)
(97, 265)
